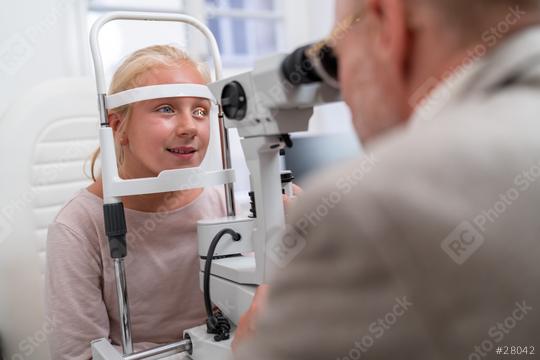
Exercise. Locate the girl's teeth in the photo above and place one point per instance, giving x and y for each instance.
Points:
(179, 151)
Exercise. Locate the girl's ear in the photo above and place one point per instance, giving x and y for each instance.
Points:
(115, 120)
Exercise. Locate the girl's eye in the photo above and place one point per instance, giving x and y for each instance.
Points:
(200, 112)
(167, 109)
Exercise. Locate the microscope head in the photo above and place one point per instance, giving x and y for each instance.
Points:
(278, 96)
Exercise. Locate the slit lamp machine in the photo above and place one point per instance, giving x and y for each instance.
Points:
(265, 105)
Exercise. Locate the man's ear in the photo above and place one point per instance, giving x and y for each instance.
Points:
(114, 122)
(394, 33)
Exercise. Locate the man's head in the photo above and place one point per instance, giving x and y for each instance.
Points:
(389, 50)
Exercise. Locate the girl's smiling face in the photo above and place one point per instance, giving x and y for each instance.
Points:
(168, 133)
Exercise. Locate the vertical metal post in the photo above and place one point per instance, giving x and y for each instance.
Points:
(102, 106)
(122, 296)
(226, 160)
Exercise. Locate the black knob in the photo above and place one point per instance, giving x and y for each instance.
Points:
(234, 101)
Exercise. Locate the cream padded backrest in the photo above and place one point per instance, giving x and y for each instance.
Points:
(45, 139)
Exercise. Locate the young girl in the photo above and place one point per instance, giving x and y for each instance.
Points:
(162, 265)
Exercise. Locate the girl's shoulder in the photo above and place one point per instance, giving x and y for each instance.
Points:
(81, 210)
(84, 211)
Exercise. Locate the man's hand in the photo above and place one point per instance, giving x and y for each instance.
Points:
(246, 326)
(297, 190)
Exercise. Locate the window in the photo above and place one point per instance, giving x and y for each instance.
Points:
(245, 29)
(103, 6)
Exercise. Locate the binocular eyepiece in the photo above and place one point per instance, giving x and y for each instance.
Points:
(310, 64)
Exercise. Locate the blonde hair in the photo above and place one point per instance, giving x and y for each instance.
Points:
(128, 75)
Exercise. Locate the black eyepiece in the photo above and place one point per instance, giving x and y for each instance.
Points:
(310, 64)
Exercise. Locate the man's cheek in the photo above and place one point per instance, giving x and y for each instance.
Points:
(350, 81)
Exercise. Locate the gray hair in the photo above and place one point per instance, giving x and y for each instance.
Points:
(470, 18)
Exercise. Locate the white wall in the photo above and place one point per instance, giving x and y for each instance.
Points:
(308, 21)
(39, 40)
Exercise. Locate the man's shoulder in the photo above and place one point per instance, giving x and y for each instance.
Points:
(447, 161)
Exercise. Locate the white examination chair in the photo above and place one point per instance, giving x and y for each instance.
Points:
(45, 138)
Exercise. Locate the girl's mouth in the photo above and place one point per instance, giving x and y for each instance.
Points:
(182, 152)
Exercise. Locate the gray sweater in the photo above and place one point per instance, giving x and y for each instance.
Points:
(162, 273)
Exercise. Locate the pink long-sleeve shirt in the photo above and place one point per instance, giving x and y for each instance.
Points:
(162, 270)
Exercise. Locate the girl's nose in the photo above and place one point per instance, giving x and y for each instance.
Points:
(185, 125)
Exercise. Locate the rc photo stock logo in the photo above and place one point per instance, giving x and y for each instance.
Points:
(15, 52)
(468, 237)
(5, 228)
(284, 244)
(463, 242)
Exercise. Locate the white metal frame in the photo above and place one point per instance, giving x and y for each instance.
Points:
(115, 187)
